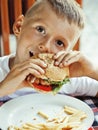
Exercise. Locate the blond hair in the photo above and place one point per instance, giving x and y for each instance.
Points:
(69, 9)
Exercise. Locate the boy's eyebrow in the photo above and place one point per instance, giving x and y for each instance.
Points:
(34, 19)
(37, 20)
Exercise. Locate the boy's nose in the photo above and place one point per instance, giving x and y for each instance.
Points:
(44, 48)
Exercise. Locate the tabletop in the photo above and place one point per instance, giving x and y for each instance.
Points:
(92, 102)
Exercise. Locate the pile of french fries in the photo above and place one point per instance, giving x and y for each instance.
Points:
(68, 119)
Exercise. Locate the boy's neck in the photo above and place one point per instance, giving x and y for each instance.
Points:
(11, 62)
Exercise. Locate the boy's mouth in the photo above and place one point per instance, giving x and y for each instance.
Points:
(31, 53)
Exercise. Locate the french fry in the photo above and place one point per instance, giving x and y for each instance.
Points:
(70, 110)
(72, 120)
(43, 115)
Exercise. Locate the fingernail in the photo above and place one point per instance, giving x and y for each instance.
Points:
(54, 57)
(56, 63)
(61, 65)
(65, 63)
(45, 65)
(32, 81)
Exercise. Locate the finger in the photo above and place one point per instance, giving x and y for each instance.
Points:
(31, 78)
(34, 72)
(23, 74)
(33, 64)
(57, 55)
(39, 62)
(59, 59)
(35, 61)
(33, 67)
(71, 59)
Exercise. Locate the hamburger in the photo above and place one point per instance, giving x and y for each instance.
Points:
(54, 76)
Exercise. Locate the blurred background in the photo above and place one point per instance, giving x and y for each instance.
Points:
(88, 43)
(89, 38)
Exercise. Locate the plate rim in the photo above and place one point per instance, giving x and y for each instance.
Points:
(41, 94)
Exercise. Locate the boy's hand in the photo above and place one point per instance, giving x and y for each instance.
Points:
(16, 77)
(78, 64)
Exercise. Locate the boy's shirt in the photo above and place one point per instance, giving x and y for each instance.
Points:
(76, 86)
(4, 68)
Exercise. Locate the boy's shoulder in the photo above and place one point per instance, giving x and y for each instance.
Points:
(4, 61)
(5, 58)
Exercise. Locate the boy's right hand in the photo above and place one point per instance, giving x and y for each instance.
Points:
(16, 77)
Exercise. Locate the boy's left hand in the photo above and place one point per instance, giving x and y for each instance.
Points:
(78, 64)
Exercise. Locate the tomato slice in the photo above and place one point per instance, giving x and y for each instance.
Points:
(46, 88)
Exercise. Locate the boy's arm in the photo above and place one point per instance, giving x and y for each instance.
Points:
(81, 86)
(94, 73)
(19, 72)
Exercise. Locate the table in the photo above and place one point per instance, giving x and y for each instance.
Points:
(92, 102)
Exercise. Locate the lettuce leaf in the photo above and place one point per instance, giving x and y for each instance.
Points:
(56, 85)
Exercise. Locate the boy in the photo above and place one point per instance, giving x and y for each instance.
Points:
(49, 26)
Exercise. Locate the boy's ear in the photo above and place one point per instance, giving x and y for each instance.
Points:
(17, 25)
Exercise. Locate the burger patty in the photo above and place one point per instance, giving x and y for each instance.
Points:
(41, 81)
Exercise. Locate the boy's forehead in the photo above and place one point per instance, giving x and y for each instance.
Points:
(37, 8)
(40, 12)
(62, 8)
(44, 7)
(44, 15)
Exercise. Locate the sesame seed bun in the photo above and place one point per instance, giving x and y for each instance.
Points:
(54, 76)
(54, 73)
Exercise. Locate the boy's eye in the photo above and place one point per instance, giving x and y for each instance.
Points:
(40, 29)
(59, 43)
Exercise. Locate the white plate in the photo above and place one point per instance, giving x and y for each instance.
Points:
(25, 108)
